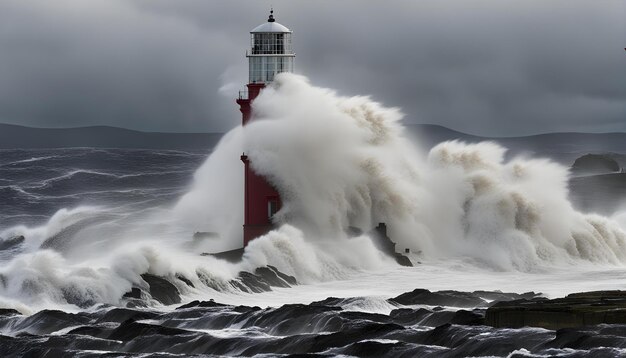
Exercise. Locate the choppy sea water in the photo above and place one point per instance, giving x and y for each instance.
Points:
(363, 320)
(107, 252)
(34, 184)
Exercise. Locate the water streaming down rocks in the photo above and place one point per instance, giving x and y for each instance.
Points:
(322, 328)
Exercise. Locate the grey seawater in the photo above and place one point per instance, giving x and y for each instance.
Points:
(35, 183)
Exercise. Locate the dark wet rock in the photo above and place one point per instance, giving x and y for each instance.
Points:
(382, 241)
(402, 260)
(469, 341)
(212, 317)
(238, 285)
(135, 298)
(292, 318)
(356, 333)
(434, 318)
(445, 335)
(262, 280)
(571, 337)
(203, 304)
(98, 331)
(123, 314)
(323, 328)
(135, 292)
(595, 164)
(505, 296)
(446, 298)
(469, 318)
(409, 316)
(575, 310)
(365, 316)
(48, 321)
(271, 277)
(253, 282)
(162, 290)
(185, 280)
(135, 303)
(233, 256)
(301, 344)
(55, 346)
(587, 338)
(158, 342)
(380, 349)
(9, 312)
(212, 282)
(218, 347)
(131, 329)
(289, 279)
(386, 245)
(246, 309)
(330, 301)
(438, 318)
(11, 243)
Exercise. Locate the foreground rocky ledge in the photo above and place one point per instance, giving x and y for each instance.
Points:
(420, 323)
(575, 310)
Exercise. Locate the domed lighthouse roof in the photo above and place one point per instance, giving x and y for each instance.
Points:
(270, 26)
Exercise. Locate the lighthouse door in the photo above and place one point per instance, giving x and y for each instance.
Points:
(272, 206)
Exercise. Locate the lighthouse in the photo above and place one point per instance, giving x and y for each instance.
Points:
(270, 53)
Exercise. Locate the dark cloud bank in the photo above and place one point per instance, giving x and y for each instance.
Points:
(483, 67)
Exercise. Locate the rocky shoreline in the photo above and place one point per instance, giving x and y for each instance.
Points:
(575, 310)
(420, 323)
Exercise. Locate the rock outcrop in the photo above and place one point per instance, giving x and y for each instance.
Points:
(11, 243)
(162, 290)
(575, 310)
(386, 245)
(595, 164)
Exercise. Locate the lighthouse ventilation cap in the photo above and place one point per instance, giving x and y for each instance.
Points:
(270, 26)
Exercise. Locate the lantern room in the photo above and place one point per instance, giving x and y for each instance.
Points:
(270, 51)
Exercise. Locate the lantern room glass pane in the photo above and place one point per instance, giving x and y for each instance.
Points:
(271, 43)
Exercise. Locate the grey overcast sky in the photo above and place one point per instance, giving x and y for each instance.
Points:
(494, 67)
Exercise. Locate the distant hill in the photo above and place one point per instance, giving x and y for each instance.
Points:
(14, 136)
(563, 147)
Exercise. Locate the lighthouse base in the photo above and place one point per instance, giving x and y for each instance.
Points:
(251, 232)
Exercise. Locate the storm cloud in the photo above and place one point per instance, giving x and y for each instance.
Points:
(482, 67)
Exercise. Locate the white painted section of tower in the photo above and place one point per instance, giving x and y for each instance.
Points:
(270, 52)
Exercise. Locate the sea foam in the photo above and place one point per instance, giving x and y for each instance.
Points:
(338, 163)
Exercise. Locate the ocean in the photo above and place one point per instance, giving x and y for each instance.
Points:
(107, 252)
(35, 183)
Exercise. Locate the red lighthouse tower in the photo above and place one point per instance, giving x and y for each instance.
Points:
(270, 53)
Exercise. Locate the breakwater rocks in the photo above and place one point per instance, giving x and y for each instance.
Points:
(575, 310)
(419, 323)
